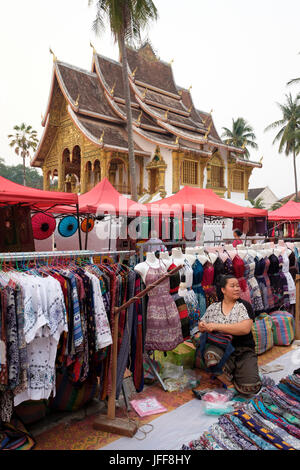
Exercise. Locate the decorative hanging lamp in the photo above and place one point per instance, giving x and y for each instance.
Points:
(68, 226)
(43, 226)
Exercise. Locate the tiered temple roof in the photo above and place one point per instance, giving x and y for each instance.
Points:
(163, 113)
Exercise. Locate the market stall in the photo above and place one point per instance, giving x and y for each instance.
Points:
(17, 203)
(285, 221)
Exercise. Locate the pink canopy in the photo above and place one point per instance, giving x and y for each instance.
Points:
(13, 193)
(213, 205)
(289, 212)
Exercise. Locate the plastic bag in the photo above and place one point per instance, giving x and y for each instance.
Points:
(178, 379)
(218, 408)
(218, 396)
(171, 371)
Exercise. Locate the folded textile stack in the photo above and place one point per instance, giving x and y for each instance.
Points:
(270, 421)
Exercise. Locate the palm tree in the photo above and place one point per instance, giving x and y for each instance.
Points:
(241, 135)
(258, 203)
(24, 140)
(289, 134)
(276, 206)
(126, 19)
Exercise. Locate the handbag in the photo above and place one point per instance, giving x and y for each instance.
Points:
(220, 340)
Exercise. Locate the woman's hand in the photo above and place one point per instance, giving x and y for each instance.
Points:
(210, 327)
(202, 326)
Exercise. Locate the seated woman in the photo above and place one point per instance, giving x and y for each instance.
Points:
(232, 316)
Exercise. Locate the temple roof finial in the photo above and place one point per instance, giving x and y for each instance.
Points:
(54, 56)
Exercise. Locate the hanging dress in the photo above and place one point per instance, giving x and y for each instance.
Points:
(255, 294)
(261, 268)
(239, 271)
(228, 266)
(207, 284)
(219, 270)
(198, 271)
(297, 255)
(284, 283)
(193, 308)
(290, 281)
(293, 265)
(273, 272)
(163, 322)
(179, 302)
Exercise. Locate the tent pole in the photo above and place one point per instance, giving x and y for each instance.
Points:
(78, 220)
(87, 232)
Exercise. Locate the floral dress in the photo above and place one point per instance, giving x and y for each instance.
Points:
(163, 322)
(263, 280)
(255, 293)
(207, 284)
(180, 303)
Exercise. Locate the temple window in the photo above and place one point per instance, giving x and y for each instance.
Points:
(217, 172)
(97, 171)
(190, 171)
(76, 154)
(238, 180)
(66, 156)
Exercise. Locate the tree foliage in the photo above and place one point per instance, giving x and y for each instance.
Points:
(24, 140)
(288, 135)
(257, 203)
(240, 135)
(15, 174)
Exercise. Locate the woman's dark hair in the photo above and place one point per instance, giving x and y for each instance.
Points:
(221, 283)
(238, 232)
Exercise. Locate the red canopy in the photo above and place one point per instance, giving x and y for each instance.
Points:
(290, 212)
(13, 193)
(104, 198)
(212, 204)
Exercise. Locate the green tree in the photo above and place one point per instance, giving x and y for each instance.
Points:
(126, 19)
(241, 135)
(23, 141)
(276, 206)
(258, 203)
(289, 133)
(15, 173)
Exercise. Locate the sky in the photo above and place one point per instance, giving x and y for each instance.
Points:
(238, 57)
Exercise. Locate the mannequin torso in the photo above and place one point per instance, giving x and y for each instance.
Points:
(151, 261)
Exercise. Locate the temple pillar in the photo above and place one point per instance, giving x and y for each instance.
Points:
(176, 172)
(105, 158)
(202, 169)
(46, 179)
(83, 178)
(247, 175)
(61, 177)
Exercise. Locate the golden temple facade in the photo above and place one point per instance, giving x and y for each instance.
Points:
(176, 145)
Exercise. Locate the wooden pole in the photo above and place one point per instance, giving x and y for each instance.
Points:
(110, 423)
(297, 311)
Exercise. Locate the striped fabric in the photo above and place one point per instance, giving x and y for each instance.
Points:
(262, 331)
(283, 328)
(70, 396)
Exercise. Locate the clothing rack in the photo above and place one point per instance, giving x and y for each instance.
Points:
(110, 423)
(60, 254)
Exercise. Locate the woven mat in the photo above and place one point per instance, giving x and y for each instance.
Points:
(80, 435)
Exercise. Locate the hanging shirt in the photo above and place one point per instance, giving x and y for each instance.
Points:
(103, 332)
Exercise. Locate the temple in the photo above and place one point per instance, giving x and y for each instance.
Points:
(85, 137)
